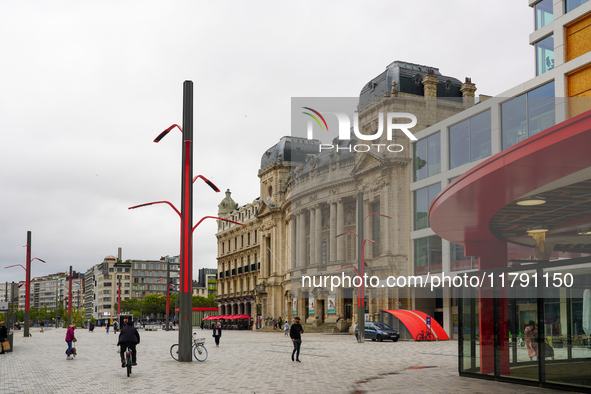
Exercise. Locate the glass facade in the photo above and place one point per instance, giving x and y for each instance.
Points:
(544, 13)
(458, 261)
(427, 157)
(428, 256)
(530, 326)
(528, 114)
(545, 55)
(572, 4)
(422, 200)
(469, 140)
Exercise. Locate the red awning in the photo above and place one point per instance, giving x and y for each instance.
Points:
(416, 321)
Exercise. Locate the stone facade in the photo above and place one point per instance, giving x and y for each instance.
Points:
(309, 200)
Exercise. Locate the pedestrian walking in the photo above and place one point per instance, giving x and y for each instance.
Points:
(296, 337)
(115, 327)
(217, 334)
(3, 336)
(42, 324)
(202, 324)
(70, 337)
(108, 326)
(286, 327)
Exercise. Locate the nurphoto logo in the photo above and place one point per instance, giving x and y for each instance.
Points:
(345, 127)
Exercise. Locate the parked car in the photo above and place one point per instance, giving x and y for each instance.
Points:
(377, 331)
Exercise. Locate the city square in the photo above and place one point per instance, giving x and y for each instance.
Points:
(245, 362)
(425, 179)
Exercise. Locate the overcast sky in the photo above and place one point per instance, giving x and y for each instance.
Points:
(85, 87)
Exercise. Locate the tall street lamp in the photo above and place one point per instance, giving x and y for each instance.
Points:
(27, 281)
(362, 264)
(186, 215)
(167, 303)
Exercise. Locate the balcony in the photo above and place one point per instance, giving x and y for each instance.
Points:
(261, 288)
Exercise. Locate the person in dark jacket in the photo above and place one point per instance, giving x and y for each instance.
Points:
(3, 336)
(128, 338)
(296, 337)
(217, 334)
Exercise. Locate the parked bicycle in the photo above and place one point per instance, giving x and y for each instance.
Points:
(425, 335)
(199, 350)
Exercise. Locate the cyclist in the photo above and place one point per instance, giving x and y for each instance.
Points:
(128, 338)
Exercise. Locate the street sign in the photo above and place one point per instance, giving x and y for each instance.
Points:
(3, 306)
(428, 320)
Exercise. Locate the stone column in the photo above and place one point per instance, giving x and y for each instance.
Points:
(318, 235)
(293, 238)
(340, 230)
(429, 82)
(468, 89)
(333, 232)
(302, 239)
(385, 222)
(367, 250)
(312, 236)
(264, 270)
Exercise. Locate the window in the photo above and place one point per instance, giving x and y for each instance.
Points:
(151, 266)
(136, 266)
(126, 269)
(107, 284)
(469, 140)
(111, 269)
(255, 236)
(223, 247)
(136, 280)
(572, 4)
(544, 13)
(242, 241)
(127, 277)
(248, 238)
(143, 266)
(527, 114)
(422, 200)
(427, 157)
(458, 261)
(324, 252)
(428, 255)
(545, 55)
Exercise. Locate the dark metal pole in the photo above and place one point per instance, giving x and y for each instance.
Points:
(360, 301)
(185, 293)
(57, 281)
(28, 285)
(11, 326)
(70, 299)
(167, 327)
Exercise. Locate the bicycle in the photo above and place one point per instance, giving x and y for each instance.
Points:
(128, 360)
(425, 335)
(199, 350)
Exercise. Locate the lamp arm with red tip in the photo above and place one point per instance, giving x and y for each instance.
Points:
(158, 202)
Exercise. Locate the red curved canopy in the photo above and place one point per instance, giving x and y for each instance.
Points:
(462, 211)
(416, 321)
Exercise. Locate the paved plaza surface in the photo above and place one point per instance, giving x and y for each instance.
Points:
(245, 362)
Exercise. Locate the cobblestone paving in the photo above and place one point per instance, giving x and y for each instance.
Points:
(245, 362)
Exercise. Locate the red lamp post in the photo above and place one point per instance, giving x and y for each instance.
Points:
(167, 298)
(362, 265)
(27, 281)
(186, 215)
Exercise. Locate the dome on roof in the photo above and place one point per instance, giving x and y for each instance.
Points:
(290, 149)
(110, 258)
(227, 205)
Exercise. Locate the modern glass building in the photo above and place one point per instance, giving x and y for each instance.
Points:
(511, 215)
